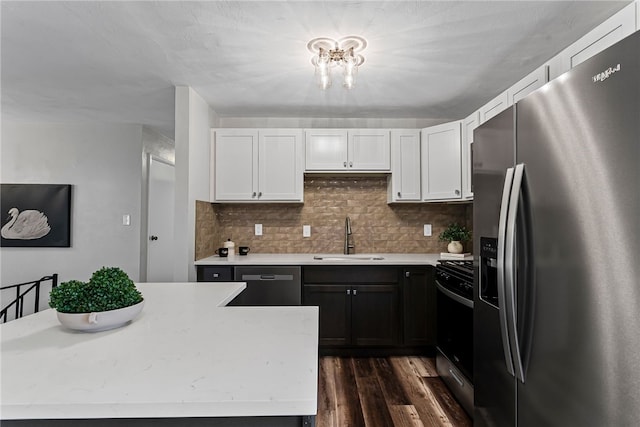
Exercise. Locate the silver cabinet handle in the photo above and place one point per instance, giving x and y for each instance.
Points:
(254, 194)
(407, 274)
(260, 194)
(348, 291)
(350, 164)
(457, 192)
(345, 164)
(399, 195)
(355, 292)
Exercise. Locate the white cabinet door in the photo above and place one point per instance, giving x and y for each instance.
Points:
(604, 35)
(280, 164)
(326, 149)
(441, 175)
(369, 149)
(236, 164)
(404, 184)
(468, 126)
(493, 107)
(531, 82)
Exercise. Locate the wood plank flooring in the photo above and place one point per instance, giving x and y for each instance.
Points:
(385, 392)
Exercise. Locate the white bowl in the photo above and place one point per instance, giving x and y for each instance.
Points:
(100, 320)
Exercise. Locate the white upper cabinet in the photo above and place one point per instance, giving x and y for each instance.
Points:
(441, 162)
(531, 82)
(347, 150)
(404, 181)
(326, 149)
(235, 164)
(614, 29)
(280, 164)
(369, 149)
(494, 107)
(258, 165)
(468, 126)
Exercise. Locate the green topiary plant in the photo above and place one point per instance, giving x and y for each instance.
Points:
(455, 232)
(109, 288)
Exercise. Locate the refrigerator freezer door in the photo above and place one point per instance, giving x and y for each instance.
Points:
(494, 385)
(579, 137)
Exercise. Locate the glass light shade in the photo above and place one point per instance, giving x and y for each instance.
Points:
(350, 65)
(325, 81)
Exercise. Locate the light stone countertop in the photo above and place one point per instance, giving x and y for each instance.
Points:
(185, 355)
(308, 259)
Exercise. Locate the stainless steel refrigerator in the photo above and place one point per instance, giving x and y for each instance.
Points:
(557, 251)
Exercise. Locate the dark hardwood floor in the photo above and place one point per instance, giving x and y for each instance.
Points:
(385, 392)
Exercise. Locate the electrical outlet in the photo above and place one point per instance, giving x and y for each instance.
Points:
(306, 231)
(258, 229)
(126, 219)
(427, 230)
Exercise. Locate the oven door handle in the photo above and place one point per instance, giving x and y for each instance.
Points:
(454, 296)
(502, 303)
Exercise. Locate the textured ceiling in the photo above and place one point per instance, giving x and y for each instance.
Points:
(119, 61)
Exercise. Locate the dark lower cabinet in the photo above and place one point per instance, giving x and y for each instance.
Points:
(359, 306)
(419, 306)
(374, 315)
(335, 312)
(356, 315)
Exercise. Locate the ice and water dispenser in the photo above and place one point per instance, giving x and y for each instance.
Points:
(489, 270)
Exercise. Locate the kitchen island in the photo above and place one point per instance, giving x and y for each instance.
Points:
(185, 360)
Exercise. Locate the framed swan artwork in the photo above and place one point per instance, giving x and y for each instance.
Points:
(35, 215)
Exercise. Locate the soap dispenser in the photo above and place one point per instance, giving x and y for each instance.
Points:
(231, 246)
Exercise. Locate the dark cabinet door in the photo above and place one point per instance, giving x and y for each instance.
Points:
(335, 312)
(374, 315)
(419, 306)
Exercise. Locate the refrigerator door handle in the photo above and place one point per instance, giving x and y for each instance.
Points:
(510, 271)
(502, 226)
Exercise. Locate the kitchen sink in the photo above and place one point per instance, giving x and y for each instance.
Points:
(348, 258)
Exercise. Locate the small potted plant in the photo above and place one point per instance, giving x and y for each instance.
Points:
(108, 300)
(455, 234)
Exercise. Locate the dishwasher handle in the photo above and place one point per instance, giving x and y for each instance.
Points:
(269, 277)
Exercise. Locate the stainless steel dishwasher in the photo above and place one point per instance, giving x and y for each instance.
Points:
(268, 285)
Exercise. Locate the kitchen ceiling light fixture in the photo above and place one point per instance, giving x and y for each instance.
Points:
(329, 53)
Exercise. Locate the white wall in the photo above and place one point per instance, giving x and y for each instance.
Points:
(102, 162)
(193, 127)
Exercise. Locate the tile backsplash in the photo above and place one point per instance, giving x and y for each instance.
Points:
(377, 227)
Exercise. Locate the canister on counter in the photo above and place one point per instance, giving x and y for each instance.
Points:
(231, 246)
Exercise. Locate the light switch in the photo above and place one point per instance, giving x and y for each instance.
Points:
(258, 229)
(306, 231)
(427, 230)
(126, 219)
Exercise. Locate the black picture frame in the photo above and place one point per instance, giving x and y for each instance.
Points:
(52, 201)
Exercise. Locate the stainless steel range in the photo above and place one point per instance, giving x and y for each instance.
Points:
(454, 341)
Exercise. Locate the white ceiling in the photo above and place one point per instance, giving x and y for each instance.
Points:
(119, 61)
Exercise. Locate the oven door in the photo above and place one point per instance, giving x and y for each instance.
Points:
(455, 329)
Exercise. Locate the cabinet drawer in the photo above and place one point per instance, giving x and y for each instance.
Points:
(215, 274)
(350, 274)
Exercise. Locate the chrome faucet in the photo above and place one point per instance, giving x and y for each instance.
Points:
(347, 233)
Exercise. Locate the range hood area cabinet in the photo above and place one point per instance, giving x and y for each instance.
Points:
(258, 165)
(347, 150)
